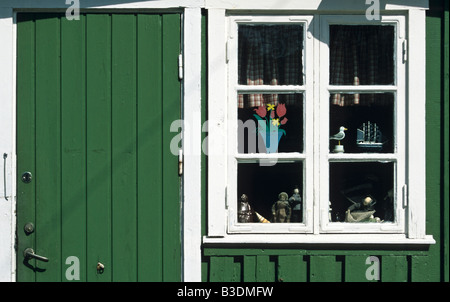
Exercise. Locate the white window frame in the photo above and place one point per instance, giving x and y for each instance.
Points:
(411, 230)
(305, 157)
(397, 157)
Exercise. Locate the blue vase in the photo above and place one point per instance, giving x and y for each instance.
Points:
(271, 140)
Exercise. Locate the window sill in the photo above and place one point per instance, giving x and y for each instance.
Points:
(322, 239)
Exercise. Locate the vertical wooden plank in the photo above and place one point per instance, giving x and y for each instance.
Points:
(423, 269)
(98, 145)
(25, 140)
(445, 205)
(149, 151)
(356, 268)
(203, 107)
(203, 154)
(73, 139)
(48, 144)
(217, 269)
(394, 268)
(171, 112)
(205, 270)
(265, 269)
(325, 269)
(123, 124)
(224, 269)
(292, 268)
(435, 213)
(249, 269)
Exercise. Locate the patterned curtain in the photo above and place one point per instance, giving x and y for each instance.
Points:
(269, 55)
(361, 55)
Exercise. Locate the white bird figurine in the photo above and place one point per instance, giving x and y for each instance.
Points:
(340, 135)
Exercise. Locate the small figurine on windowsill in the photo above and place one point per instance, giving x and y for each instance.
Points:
(245, 211)
(339, 136)
(295, 201)
(281, 210)
(362, 211)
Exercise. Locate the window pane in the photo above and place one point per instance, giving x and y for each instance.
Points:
(362, 192)
(270, 55)
(368, 119)
(270, 192)
(270, 123)
(362, 55)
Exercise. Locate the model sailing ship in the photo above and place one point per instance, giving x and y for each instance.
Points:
(369, 137)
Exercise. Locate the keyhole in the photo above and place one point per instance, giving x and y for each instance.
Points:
(26, 177)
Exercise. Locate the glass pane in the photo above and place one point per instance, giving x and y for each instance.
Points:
(270, 123)
(362, 55)
(361, 192)
(271, 192)
(270, 54)
(368, 120)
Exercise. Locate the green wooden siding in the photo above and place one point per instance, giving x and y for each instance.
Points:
(96, 99)
(307, 265)
(399, 264)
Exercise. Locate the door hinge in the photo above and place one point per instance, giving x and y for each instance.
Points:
(180, 66)
(5, 156)
(405, 195)
(180, 162)
(227, 52)
(405, 51)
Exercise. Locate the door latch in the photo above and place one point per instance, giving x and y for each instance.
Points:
(28, 253)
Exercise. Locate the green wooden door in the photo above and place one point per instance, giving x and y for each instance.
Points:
(95, 100)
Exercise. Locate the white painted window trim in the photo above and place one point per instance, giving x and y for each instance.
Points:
(414, 153)
(192, 100)
(7, 143)
(398, 156)
(306, 157)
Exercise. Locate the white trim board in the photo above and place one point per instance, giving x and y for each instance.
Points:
(192, 145)
(104, 4)
(7, 144)
(335, 239)
(325, 5)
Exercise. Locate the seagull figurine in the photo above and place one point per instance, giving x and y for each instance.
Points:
(340, 135)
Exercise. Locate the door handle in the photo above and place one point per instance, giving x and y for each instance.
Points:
(28, 253)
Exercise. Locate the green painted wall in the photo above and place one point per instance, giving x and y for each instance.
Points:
(330, 264)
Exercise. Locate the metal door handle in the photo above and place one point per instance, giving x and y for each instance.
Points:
(28, 253)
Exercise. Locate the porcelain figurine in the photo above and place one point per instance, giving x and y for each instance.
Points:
(295, 201)
(245, 211)
(281, 210)
(338, 137)
(362, 211)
